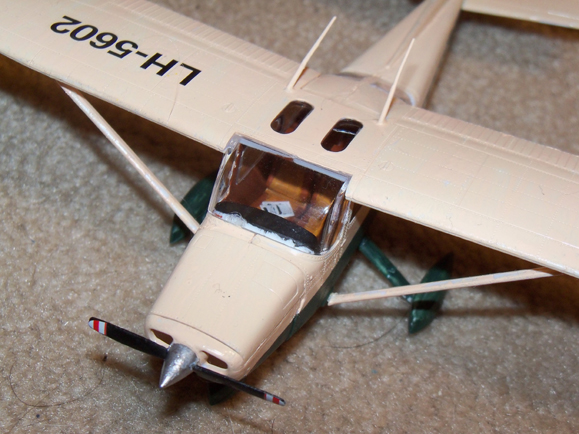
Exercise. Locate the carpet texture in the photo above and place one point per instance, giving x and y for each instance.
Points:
(83, 236)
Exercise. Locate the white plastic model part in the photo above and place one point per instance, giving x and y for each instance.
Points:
(279, 208)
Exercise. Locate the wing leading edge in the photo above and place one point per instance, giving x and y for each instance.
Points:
(491, 188)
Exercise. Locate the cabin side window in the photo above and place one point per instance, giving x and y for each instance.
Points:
(341, 135)
(290, 118)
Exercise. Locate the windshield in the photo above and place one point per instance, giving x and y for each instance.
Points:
(282, 198)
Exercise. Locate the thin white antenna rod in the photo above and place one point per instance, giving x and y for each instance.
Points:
(386, 108)
(132, 158)
(443, 285)
(304, 63)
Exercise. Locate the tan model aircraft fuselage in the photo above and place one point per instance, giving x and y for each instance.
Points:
(250, 273)
(236, 290)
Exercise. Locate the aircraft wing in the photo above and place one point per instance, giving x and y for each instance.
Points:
(151, 61)
(487, 187)
(491, 188)
(563, 13)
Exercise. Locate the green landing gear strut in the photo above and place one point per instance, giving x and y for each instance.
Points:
(423, 307)
(196, 201)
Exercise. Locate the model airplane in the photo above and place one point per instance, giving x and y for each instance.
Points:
(305, 157)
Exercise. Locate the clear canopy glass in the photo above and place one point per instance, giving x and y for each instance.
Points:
(280, 197)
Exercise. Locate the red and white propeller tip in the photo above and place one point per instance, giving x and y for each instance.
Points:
(98, 325)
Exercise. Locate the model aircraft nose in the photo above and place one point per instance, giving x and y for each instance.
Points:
(178, 364)
(189, 345)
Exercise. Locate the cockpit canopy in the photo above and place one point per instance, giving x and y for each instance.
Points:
(278, 196)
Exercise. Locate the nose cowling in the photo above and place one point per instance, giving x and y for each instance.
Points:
(200, 349)
(228, 296)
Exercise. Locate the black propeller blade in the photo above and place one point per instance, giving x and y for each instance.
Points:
(147, 346)
(237, 385)
(128, 338)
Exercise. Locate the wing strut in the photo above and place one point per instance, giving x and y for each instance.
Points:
(132, 158)
(388, 103)
(306, 59)
(443, 285)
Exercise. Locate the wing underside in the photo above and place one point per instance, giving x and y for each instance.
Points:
(563, 13)
(151, 61)
(491, 188)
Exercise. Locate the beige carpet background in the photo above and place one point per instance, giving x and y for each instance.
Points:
(82, 235)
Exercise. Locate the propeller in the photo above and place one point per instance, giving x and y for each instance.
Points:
(179, 360)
